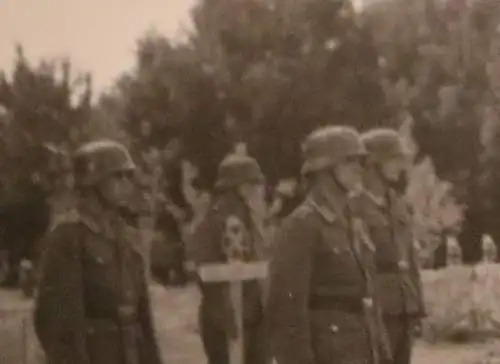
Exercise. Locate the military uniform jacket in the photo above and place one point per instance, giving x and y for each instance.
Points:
(319, 256)
(227, 234)
(93, 304)
(398, 276)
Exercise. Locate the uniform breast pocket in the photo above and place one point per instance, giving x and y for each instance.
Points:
(336, 252)
(339, 337)
(99, 262)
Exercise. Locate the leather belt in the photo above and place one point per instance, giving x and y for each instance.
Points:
(393, 267)
(356, 305)
(124, 315)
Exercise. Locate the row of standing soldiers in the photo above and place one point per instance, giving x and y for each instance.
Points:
(344, 284)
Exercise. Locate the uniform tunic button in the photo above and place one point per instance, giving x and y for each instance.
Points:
(403, 265)
(334, 328)
(290, 296)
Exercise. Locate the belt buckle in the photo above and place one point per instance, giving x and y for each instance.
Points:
(126, 311)
(368, 302)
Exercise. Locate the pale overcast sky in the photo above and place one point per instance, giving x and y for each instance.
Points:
(98, 35)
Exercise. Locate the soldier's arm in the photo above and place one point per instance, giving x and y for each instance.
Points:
(415, 273)
(414, 263)
(146, 321)
(288, 309)
(59, 318)
(208, 249)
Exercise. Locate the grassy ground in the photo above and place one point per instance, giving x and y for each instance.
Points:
(175, 313)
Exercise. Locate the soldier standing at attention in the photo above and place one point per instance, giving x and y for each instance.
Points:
(227, 234)
(389, 221)
(93, 303)
(321, 307)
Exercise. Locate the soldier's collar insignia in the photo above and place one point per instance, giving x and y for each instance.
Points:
(70, 216)
(329, 215)
(90, 223)
(360, 233)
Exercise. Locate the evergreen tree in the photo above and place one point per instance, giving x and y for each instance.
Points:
(263, 73)
(45, 106)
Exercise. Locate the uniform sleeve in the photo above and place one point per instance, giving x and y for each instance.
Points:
(216, 296)
(146, 320)
(415, 267)
(416, 277)
(59, 318)
(288, 311)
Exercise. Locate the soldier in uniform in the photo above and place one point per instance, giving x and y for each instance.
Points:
(389, 221)
(93, 304)
(229, 233)
(321, 307)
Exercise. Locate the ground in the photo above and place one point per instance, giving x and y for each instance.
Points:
(175, 311)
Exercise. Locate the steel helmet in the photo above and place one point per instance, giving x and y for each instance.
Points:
(95, 161)
(329, 146)
(237, 169)
(383, 144)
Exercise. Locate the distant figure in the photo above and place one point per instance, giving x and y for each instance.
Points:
(454, 256)
(93, 305)
(489, 249)
(170, 269)
(390, 224)
(174, 212)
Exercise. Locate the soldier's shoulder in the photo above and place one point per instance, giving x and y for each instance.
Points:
(226, 206)
(73, 221)
(369, 208)
(401, 207)
(300, 215)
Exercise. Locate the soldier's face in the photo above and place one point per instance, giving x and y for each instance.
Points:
(254, 195)
(350, 174)
(393, 169)
(118, 189)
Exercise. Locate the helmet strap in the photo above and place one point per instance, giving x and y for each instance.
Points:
(334, 175)
(107, 203)
(398, 186)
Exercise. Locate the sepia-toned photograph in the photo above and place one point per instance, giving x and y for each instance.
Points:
(249, 182)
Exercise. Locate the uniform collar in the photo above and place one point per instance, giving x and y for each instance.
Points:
(330, 201)
(380, 201)
(99, 219)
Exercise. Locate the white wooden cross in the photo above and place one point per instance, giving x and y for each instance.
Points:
(235, 274)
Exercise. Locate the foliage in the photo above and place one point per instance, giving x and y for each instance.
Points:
(266, 75)
(434, 54)
(45, 109)
(490, 176)
(435, 211)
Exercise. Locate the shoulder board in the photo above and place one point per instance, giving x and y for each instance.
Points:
(325, 212)
(301, 211)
